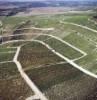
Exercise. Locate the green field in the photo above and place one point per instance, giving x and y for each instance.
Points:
(60, 47)
(8, 70)
(14, 88)
(11, 83)
(62, 81)
(86, 41)
(35, 54)
(82, 20)
(6, 56)
(4, 49)
(45, 77)
(56, 78)
(79, 37)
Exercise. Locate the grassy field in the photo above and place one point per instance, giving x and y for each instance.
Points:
(35, 54)
(45, 77)
(13, 21)
(6, 56)
(3, 49)
(82, 38)
(60, 47)
(63, 81)
(14, 88)
(57, 81)
(8, 70)
(82, 20)
(69, 28)
(84, 43)
(80, 42)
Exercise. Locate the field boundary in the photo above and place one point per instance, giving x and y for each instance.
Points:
(79, 25)
(26, 78)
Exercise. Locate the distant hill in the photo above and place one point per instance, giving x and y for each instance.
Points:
(11, 8)
(52, 3)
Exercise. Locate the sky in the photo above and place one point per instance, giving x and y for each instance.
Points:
(47, 0)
